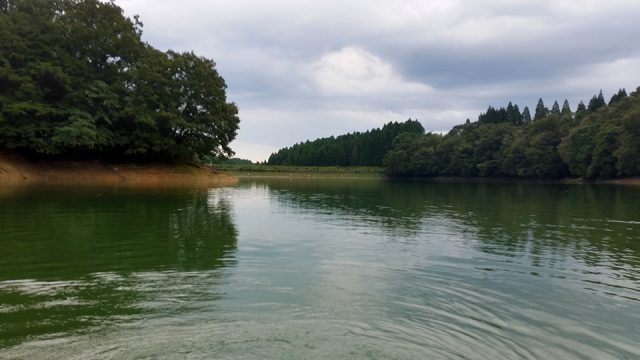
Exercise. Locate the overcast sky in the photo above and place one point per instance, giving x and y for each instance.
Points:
(301, 70)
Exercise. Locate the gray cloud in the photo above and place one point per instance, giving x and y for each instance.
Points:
(306, 69)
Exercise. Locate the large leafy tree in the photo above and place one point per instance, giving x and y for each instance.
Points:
(415, 154)
(606, 143)
(76, 78)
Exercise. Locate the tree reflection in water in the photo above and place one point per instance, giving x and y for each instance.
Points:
(78, 258)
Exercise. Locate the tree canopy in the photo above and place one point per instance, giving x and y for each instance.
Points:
(356, 149)
(76, 78)
(600, 141)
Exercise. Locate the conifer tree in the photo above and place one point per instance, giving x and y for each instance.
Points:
(566, 109)
(555, 109)
(517, 115)
(596, 102)
(621, 94)
(526, 115)
(541, 111)
(581, 111)
(513, 114)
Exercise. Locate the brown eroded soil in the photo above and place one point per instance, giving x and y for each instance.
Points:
(632, 181)
(15, 170)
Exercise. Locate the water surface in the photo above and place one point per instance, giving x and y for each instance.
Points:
(332, 268)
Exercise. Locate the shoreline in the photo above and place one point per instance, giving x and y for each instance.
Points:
(629, 181)
(329, 173)
(16, 170)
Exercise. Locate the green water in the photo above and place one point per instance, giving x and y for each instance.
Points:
(321, 269)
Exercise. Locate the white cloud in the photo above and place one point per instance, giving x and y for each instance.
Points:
(356, 72)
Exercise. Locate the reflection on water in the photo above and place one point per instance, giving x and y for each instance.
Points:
(75, 259)
(596, 224)
(322, 269)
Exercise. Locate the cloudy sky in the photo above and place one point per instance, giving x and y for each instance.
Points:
(301, 70)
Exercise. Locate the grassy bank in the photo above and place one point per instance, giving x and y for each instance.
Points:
(16, 170)
(296, 169)
(255, 170)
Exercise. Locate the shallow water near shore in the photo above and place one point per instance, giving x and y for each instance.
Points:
(321, 268)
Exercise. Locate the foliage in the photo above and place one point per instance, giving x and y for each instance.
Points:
(597, 142)
(356, 149)
(541, 111)
(596, 102)
(606, 143)
(76, 78)
(221, 160)
(414, 154)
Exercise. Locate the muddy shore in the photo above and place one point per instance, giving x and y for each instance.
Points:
(16, 170)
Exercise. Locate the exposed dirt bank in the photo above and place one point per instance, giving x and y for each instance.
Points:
(15, 170)
(632, 181)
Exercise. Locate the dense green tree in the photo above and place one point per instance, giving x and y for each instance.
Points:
(541, 111)
(628, 153)
(526, 115)
(543, 138)
(599, 144)
(603, 162)
(487, 143)
(356, 149)
(513, 114)
(576, 150)
(621, 94)
(566, 109)
(606, 143)
(414, 154)
(457, 151)
(76, 78)
(494, 116)
(596, 102)
(555, 109)
(581, 111)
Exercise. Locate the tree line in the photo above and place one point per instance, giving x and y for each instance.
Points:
(598, 140)
(76, 79)
(353, 149)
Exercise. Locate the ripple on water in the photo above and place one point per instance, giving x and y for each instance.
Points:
(356, 277)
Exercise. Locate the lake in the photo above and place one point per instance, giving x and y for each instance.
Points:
(321, 269)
